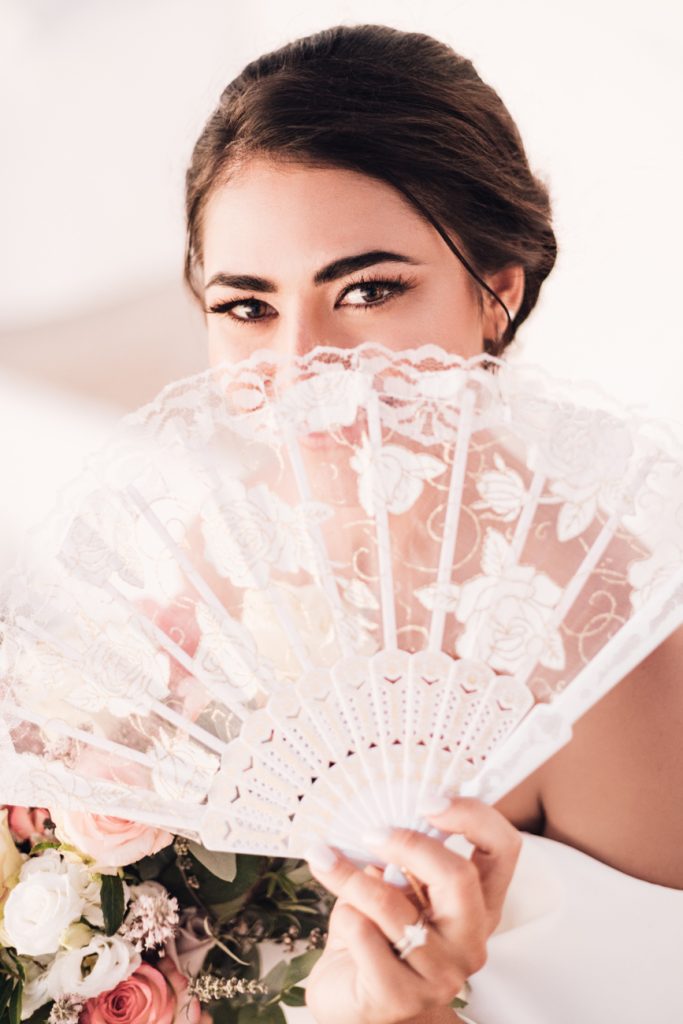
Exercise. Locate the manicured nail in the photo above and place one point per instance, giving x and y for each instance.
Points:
(321, 857)
(376, 836)
(433, 804)
(394, 876)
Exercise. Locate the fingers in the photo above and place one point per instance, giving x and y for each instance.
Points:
(384, 981)
(390, 909)
(497, 843)
(457, 885)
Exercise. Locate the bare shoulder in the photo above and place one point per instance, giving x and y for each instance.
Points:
(616, 790)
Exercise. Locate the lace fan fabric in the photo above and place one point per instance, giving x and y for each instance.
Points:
(290, 595)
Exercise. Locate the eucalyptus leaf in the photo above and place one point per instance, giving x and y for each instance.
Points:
(222, 865)
(300, 875)
(151, 867)
(300, 967)
(113, 903)
(275, 979)
(295, 996)
(254, 1013)
(224, 1013)
(228, 898)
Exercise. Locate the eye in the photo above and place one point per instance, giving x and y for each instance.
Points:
(378, 290)
(248, 304)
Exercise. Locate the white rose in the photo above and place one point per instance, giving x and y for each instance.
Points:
(395, 475)
(39, 910)
(501, 489)
(507, 611)
(114, 960)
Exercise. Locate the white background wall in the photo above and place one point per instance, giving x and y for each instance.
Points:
(101, 101)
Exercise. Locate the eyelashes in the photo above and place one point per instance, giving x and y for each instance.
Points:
(396, 286)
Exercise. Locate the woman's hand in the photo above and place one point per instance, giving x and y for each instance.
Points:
(359, 977)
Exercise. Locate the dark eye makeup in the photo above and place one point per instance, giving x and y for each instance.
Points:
(395, 286)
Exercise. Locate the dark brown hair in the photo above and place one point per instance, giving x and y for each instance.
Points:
(401, 107)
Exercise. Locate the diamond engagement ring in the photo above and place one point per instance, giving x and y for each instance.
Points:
(414, 936)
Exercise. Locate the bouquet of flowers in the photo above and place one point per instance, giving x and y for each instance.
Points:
(105, 921)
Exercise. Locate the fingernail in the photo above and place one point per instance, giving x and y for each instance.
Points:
(394, 876)
(321, 857)
(433, 804)
(376, 836)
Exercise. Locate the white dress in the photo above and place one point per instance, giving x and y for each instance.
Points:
(579, 943)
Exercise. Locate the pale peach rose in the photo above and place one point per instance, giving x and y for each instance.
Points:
(111, 842)
(28, 822)
(151, 995)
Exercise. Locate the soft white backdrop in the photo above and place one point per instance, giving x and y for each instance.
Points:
(101, 103)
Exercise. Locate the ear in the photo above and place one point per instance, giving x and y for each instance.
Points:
(508, 284)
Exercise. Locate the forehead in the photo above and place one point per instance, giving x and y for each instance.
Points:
(271, 214)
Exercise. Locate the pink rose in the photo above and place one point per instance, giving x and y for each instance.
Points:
(28, 822)
(111, 842)
(179, 622)
(151, 995)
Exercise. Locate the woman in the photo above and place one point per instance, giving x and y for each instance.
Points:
(364, 183)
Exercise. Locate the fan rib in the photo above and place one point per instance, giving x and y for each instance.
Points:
(177, 652)
(386, 571)
(453, 507)
(325, 575)
(523, 526)
(200, 585)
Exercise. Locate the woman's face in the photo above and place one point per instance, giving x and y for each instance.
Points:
(297, 256)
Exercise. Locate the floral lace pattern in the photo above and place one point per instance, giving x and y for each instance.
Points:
(426, 565)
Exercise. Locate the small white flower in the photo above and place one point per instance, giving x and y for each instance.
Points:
(152, 917)
(111, 959)
(66, 1010)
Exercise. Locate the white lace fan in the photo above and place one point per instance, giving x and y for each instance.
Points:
(291, 596)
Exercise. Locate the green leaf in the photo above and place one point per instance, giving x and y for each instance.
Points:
(113, 903)
(46, 844)
(275, 979)
(295, 996)
(287, 886)
(300, 967)
(457, 1004)
(227, 899)
(300, 875)
(14, 1008)
(151, 867)
(255, 1014)
(6, 990)
(224, 1013)
(220, 864)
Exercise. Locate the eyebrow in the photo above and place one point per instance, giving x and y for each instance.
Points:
(331, 272)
